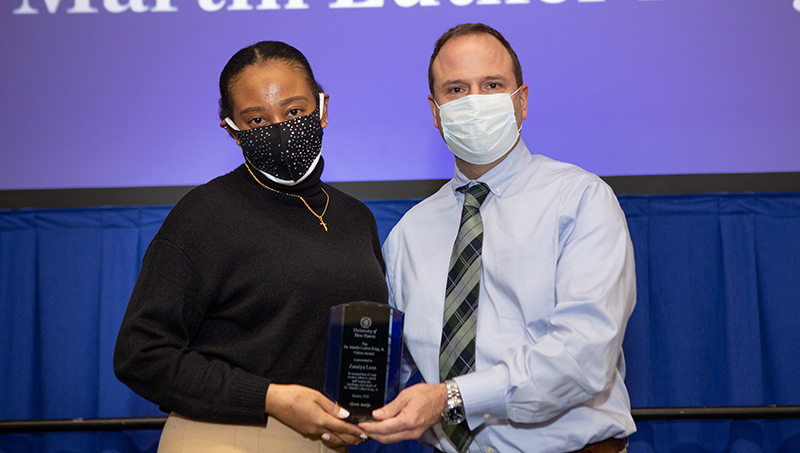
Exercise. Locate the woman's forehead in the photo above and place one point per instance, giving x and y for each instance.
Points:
(272, 81)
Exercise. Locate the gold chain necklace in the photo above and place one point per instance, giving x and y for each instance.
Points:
(319, 216)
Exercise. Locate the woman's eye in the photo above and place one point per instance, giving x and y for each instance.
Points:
(257, 121)
(293, 112)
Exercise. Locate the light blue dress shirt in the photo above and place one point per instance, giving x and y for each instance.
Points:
(557, 289)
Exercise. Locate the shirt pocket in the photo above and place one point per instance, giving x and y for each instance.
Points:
(523, 286)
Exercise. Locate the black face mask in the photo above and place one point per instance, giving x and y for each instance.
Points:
(286, 152)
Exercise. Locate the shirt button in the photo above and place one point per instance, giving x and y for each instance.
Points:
(486, 416)
(490, 450)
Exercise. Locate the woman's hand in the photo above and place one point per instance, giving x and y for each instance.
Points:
(311, 414)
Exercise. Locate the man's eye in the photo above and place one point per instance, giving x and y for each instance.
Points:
(493, 86)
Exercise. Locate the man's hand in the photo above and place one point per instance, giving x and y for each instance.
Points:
(415, 409)
(311, 414)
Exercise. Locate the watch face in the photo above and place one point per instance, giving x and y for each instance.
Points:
(455, 415)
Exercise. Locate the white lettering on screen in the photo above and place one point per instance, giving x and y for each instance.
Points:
(80, 6)
(85, 6)
(244, 5)
(410, 3)
(357, 4)
(161, 6)
(114, 6)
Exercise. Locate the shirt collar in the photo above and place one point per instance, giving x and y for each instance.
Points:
(502, 175)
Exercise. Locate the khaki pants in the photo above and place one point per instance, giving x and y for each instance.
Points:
(183, 435)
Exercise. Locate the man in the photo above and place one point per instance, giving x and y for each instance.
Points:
(516, 329)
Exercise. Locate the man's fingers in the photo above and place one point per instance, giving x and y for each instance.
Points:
(414, 410)
(392, 425)
(391, 409)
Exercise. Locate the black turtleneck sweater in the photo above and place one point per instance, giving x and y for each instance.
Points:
(234, 294)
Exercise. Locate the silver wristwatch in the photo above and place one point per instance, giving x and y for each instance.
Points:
(454, 413)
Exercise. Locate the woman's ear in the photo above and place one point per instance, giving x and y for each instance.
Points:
(223, 124)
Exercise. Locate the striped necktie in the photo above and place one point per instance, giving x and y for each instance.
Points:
(457, 351)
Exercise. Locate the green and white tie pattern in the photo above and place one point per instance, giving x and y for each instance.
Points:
(457, 350)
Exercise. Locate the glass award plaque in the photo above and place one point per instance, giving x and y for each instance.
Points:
(365, 344)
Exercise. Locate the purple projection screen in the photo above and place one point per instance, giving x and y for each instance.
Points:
(123, 93)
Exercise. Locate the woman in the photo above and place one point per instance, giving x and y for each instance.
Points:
(227, 325)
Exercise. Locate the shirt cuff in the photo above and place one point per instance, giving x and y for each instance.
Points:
(484, 395)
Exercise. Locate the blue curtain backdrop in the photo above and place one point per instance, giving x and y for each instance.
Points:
(716, 322)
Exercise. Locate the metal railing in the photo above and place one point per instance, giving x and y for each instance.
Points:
(640, 414)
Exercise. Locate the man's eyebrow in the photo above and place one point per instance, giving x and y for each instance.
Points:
(491, 78)
(450, 83)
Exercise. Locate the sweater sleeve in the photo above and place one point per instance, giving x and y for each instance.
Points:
(153, 353)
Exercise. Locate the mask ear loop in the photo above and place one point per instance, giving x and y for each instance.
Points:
(230, 123)
(519, 129)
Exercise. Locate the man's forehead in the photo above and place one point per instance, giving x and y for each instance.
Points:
(475, 51)
(476, 36)
(473, 42)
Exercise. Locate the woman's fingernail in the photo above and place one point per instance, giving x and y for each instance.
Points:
(326, 437)
(363, 436)
(344, 412)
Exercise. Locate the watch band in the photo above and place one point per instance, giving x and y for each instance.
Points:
(454, 413)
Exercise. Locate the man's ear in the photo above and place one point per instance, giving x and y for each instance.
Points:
(323, 121)
(225, 126)
(523, 99)
(434, 111)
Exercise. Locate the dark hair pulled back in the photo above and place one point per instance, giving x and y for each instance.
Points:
(261, 53)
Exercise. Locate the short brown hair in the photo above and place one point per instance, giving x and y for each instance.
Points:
(474, 29)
